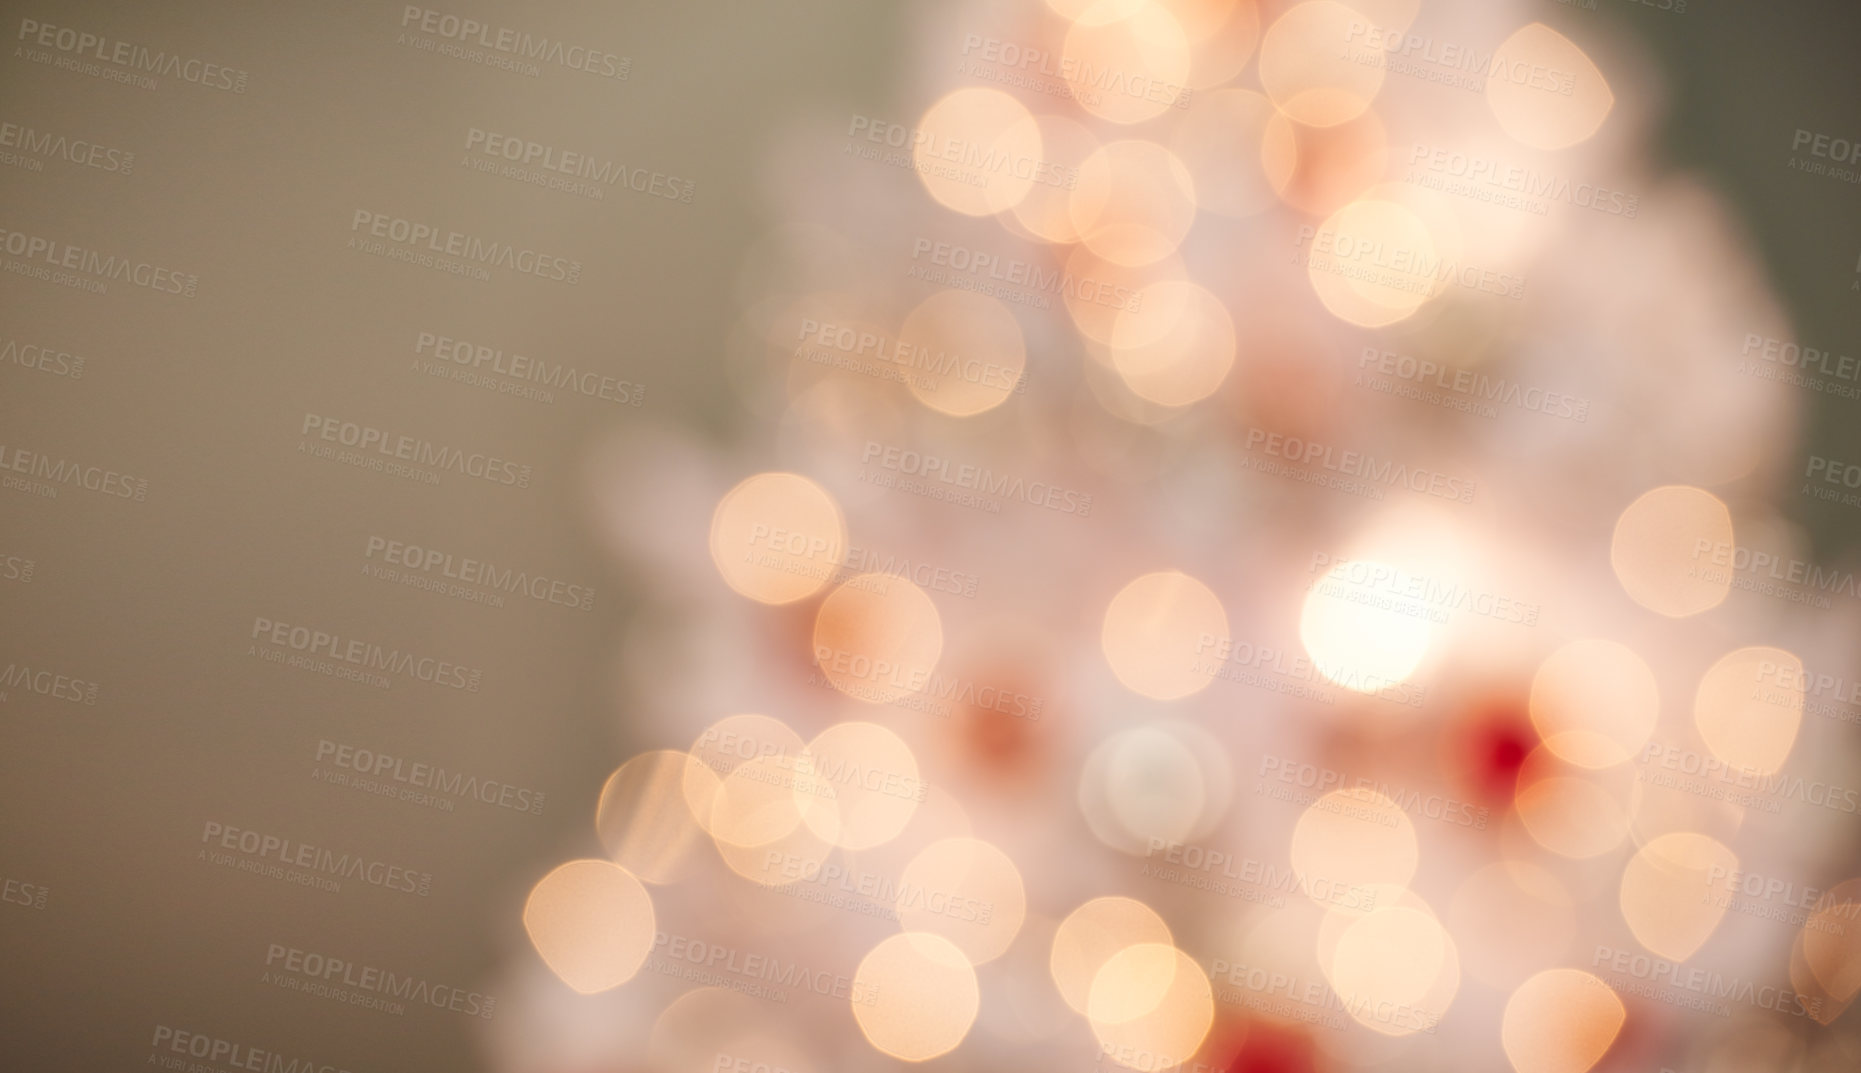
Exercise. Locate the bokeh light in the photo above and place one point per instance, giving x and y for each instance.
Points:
(878, 638)
(1545, 91)
(1145, 45)
(1749, 707)
(858, 785)
(1310, 68)
(1159, 632)
(1353, 637)
(1373, 262)
(1090, 936)
(643, 817)
(1395, 969)
(1350, 839)
(967, 354)
(978, 151)
(1150, 1006)
(923, 996)
(1134, 202)
(591, 922)
(777, 537)
(967, 891)
(1669, 892)
(1658, 545)
(1594, 702)
(1560, 1021)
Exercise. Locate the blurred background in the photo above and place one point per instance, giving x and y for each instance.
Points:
(1144, 534)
